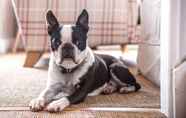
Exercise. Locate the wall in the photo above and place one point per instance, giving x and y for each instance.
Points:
(150, 48)
(183, 29)
(7, 25)
(179, 72)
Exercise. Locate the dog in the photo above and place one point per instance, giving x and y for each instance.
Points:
(75, 72)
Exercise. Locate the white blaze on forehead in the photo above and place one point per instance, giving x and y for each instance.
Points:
(66, 33)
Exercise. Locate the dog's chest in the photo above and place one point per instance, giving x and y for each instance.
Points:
(68, 81)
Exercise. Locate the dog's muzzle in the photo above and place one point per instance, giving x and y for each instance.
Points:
(68, 52)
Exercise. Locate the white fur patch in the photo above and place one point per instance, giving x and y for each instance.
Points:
(66, 33)
(37, 104)
(127, 89)
(58, 105)
(61, 95)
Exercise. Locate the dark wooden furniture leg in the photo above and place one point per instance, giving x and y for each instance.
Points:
(124, 48)
(32, 57)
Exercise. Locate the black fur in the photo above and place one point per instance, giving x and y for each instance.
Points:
(53, 30)
(99, 74)
(55, 39)
(79, 37)
(83, 21)
(96, 77)
(52, 22)
(79, 34)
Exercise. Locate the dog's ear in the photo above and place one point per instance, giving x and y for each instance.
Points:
(83, 20)
(52, 22)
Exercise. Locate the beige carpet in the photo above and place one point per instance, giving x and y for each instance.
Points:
(81, 114)
(19, 85)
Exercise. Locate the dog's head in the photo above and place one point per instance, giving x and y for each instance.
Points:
(68, 42)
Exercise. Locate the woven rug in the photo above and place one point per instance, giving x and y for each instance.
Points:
(19, 85)
(81, 114)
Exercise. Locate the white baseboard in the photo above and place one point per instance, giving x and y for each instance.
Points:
(4, 45)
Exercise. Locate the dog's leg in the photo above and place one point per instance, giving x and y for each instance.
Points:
(60, 104)
(110, 87)
(78, 96)
(45, 97)
(123, 78)
(129, 88)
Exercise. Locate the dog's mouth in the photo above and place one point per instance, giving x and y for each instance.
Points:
(69, 59)
(68, 66)
(68, 63)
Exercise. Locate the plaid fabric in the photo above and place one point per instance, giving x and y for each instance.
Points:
(111, 21)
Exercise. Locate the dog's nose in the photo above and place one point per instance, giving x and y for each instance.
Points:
(68, 50)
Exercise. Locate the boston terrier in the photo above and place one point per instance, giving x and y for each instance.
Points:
(75, 72)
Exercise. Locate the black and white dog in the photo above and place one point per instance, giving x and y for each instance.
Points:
(75, 72)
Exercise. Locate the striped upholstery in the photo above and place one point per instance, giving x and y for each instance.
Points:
(111, 21)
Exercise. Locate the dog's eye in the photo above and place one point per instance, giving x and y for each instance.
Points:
(76, 41)
(56, 43)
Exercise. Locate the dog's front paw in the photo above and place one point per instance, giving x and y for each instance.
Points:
(58, 105)
(37, 104)
(109, 89)
(127, 89)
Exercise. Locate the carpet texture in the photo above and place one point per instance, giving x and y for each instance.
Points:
(19, 85)
(81, 114)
